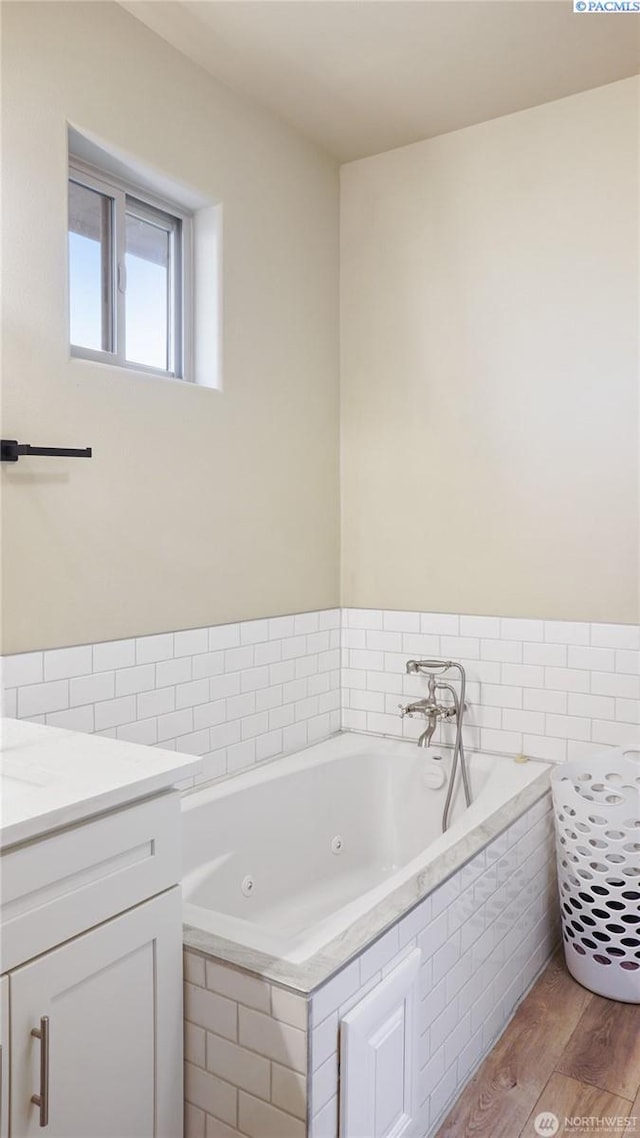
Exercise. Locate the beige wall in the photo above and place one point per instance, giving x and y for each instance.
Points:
(490, 367)
(199, 506)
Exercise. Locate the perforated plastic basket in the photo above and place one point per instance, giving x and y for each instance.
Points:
(597, 815)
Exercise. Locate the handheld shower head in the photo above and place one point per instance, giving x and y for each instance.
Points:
(414, 667)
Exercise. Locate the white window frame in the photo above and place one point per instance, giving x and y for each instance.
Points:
(128, 198)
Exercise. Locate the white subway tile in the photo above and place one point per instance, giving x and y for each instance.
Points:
(484, 627)
(615, 734)
(115, 712)
(114, 654)
(90, 689)
(62, 663)
(281, 717)
(329, 618)
(354, 720)
(241, 755)
(568, 727)
(594, 659)
(210, 1010)
(331, 995)
(363, 618)
(384, 724)
(213, 1095)
(401, 621)
(530, 721)
(237, 985)
(538, 699)
(171, 672)
(191, 641)
(354, 638)
(524, 675)
(238, 659)
(507, 651)
(269, 1037)
(239, 1067)
(194, 1045)
(22, 668)
(157, 702)
(615, 636)
(209, 714)
(74, 719)
(543, 747)
(319, 727)
(454, 647)
(554, 655)
(509, 741)
(254, 678)
(258, 1119)
(439, 623)
(224, 636)
(268, 653)
(370, 661)
(37, 699)
(591, 706)
(627, 662)
(500, 695)
(268, 745)
(254, 631)
(384, 641)
(305, 623)
(418, 645)
(9, 697)
(288, 1090)
(294, 647)
(566, 679)
(143, 731)
(622, 686)
(150, 649)
(194, 743)
(288, 1007)
(252, 725)
(193, 693)
(280, 627)
(205, 664)
(174, 724)
(627, 710)
(512, 629)
(579, 751)
(138, 679)
(222, 687)
(566, 632)
(224, 735)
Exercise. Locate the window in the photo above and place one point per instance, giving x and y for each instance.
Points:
(129, 274)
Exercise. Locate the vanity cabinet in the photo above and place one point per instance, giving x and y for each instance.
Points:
(114, 1037)
(91, 992)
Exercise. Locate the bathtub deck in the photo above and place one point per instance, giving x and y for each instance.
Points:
(565, 1051)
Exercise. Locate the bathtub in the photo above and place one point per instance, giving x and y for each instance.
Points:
(292, 867)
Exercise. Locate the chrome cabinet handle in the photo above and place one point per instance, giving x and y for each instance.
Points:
(42, 1100)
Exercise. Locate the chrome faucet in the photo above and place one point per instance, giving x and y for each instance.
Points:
(433, 711)
(429, 708)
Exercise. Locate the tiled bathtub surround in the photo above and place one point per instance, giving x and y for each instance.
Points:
(234, 694)
(245, 1055)
(262, 1061)
(484, 935)
(554, 690)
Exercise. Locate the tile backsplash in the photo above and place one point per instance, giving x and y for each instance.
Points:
(552, 690)
(240, 693)
(234, 694)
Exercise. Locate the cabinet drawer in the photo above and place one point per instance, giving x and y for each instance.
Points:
(64, 884)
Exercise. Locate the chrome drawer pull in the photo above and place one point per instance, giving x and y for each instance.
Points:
(42, 1100)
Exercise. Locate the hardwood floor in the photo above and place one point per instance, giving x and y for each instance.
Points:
(566, 1051)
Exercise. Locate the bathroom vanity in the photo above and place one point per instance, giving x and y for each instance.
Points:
(91, 936)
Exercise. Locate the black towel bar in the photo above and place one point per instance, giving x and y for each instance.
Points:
(11, 449)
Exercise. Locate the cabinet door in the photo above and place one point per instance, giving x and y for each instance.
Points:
(114, 1001)
(377, 1058)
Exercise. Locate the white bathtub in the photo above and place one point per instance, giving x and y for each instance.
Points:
(312, 855)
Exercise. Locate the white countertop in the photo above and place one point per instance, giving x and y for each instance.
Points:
(51, 778)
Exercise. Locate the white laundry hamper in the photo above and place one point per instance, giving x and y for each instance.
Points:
(597, 816)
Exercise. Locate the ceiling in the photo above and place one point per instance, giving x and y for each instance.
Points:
(363, 76)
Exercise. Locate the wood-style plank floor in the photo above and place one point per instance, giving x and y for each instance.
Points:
(566, 1051)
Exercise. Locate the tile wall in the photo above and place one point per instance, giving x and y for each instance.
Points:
(484, 936)
(234, 694)
(245, 1055)
(553, 690)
